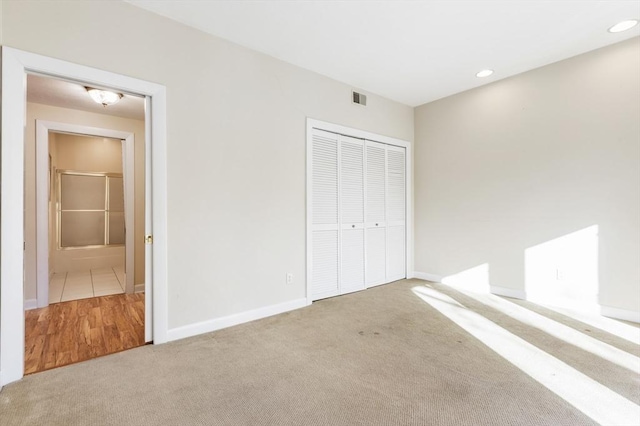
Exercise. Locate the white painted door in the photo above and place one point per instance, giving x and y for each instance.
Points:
(375, 224)
(351, 214)
(324, 215)
(396, 213)
(357, 214)
(148, 227)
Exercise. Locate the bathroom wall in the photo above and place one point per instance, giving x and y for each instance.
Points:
(86, 154)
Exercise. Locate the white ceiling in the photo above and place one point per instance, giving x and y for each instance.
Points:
(410, 51)
(65, 94)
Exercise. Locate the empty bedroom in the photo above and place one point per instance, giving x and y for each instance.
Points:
(320, 212)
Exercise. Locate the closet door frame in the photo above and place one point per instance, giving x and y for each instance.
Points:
(367, 136)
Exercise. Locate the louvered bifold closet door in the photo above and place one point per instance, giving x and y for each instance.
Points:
(396, 213)
(351, 214)
(324, 216)
(375, 211)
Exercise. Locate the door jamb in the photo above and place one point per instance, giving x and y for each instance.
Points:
(15, 66)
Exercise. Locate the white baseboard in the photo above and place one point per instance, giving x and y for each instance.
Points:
(235, 319)
(138, 288)
(508, 292)
(427, 277)
(30, 304)
(621, 314)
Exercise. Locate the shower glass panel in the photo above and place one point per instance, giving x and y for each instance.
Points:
(91, 209)
(116, 194)
(116, 228)
(81, 192)
(82, 229)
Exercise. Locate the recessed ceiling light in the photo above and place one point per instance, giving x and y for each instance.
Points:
(484, 73)
(623, 26)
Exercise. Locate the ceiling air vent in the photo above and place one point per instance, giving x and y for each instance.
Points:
(359, 98)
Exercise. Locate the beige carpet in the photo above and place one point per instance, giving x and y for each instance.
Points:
(378, 357)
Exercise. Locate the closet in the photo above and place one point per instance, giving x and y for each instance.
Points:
(358, 213)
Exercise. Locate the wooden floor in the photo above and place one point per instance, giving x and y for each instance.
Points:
(68, 332)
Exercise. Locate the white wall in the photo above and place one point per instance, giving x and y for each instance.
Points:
(65, 115)
(236, 144)
(531, 159)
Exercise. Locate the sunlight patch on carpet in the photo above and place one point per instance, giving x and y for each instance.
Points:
(612, 326)
(587, 395)
(559, 331)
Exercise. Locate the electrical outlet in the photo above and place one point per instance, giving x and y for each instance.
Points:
(560, 275)
(289, 278)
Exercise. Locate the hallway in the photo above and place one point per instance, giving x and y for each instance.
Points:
(78, 330)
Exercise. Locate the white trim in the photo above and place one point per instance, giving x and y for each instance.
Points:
(30, 304)
(148, 223)
(157, 282)
(508, 292)
(354, 133)
(408, 165)
(43, 188)
(357, 133)
(138, 288)
(621, 314)
(427, 277)
(128, 154)
(42, 197)
(309, 234)
(15, 66)
(11, 218)
(235, 319)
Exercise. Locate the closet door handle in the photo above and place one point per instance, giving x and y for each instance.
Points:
(353, 226)
(376, 224)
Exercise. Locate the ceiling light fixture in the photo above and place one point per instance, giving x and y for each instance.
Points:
(484, 73)
(623, 26)
(104, 97)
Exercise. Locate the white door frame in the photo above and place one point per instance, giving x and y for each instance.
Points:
(348, 131)
(42, 198)
(15, 66)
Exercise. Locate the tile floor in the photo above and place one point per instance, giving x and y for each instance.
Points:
(67, 286)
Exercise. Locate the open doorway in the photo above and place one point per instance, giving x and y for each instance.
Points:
(86, 217)
(16, 65)
(86, 257)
